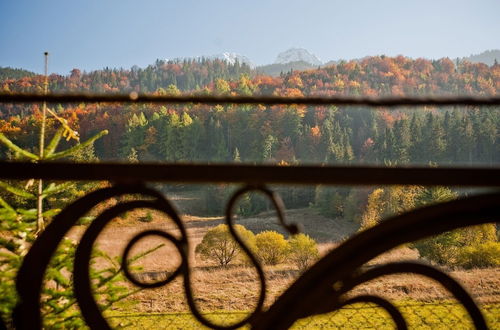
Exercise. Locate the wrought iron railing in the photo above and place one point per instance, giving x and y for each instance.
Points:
(325, 287)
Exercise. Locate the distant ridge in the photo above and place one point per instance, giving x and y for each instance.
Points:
(293, 59)
(487, 57)
(278, 68)
(12, 73)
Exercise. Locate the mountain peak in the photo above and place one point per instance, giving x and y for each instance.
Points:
(232, 57)
(296, 55)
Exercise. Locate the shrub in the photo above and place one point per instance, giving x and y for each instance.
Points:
(441, 249)
(303, 251)
(271, 247)
(482, 255)
(219, 246)
(467, 247)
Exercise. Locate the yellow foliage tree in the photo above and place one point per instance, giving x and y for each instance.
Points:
(219, 246)
(374, 209)
(272, 247)
(303, 251)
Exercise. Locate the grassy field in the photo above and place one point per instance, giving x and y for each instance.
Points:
(224, 294)
(434, 315)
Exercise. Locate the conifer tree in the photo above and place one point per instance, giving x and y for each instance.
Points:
(403, 141)
(48, 153)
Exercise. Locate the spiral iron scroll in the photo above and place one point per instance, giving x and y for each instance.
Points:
(323, 287)
(30, 276)
(320, 290)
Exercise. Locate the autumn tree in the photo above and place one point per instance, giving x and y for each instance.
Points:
(219, 246)
(374, 209)
(303, 251)
(272, 247)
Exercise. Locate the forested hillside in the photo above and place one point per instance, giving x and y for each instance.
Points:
(379, 75)
(187, 75)
(291, 134)
(488, 57)
(283, 135)
(13, 74)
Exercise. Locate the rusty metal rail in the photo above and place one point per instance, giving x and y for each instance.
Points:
(254, 174)
(269, 100)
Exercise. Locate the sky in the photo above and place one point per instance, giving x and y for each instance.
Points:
(94, 34)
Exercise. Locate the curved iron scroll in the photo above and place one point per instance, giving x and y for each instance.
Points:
(322, 287)
(30, 276)
(82, 283)
(327, 281)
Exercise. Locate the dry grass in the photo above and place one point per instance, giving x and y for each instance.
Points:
(232, 289)
(236, 288)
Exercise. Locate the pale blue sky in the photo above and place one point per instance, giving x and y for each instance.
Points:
(93, 34)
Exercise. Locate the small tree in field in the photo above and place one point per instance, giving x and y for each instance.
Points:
(272, 247)
(219, 246)
(303, 251)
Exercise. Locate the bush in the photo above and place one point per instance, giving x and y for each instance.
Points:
(271, 247)
(442, 249)
(483, 255)
(467, 247)
(303, 251)
(219, 246)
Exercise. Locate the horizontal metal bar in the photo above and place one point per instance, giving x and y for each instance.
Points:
(270, 100)
(254, 174)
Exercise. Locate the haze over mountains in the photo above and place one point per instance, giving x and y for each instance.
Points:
(308, 59)
(297, 59)
(301, 59)
(487, 57)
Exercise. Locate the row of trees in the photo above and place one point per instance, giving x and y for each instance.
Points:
(372, 76)
(186, 74)
(276, 134)
(339, 136)
(270, 247)
(376, 75)
(292, 134)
